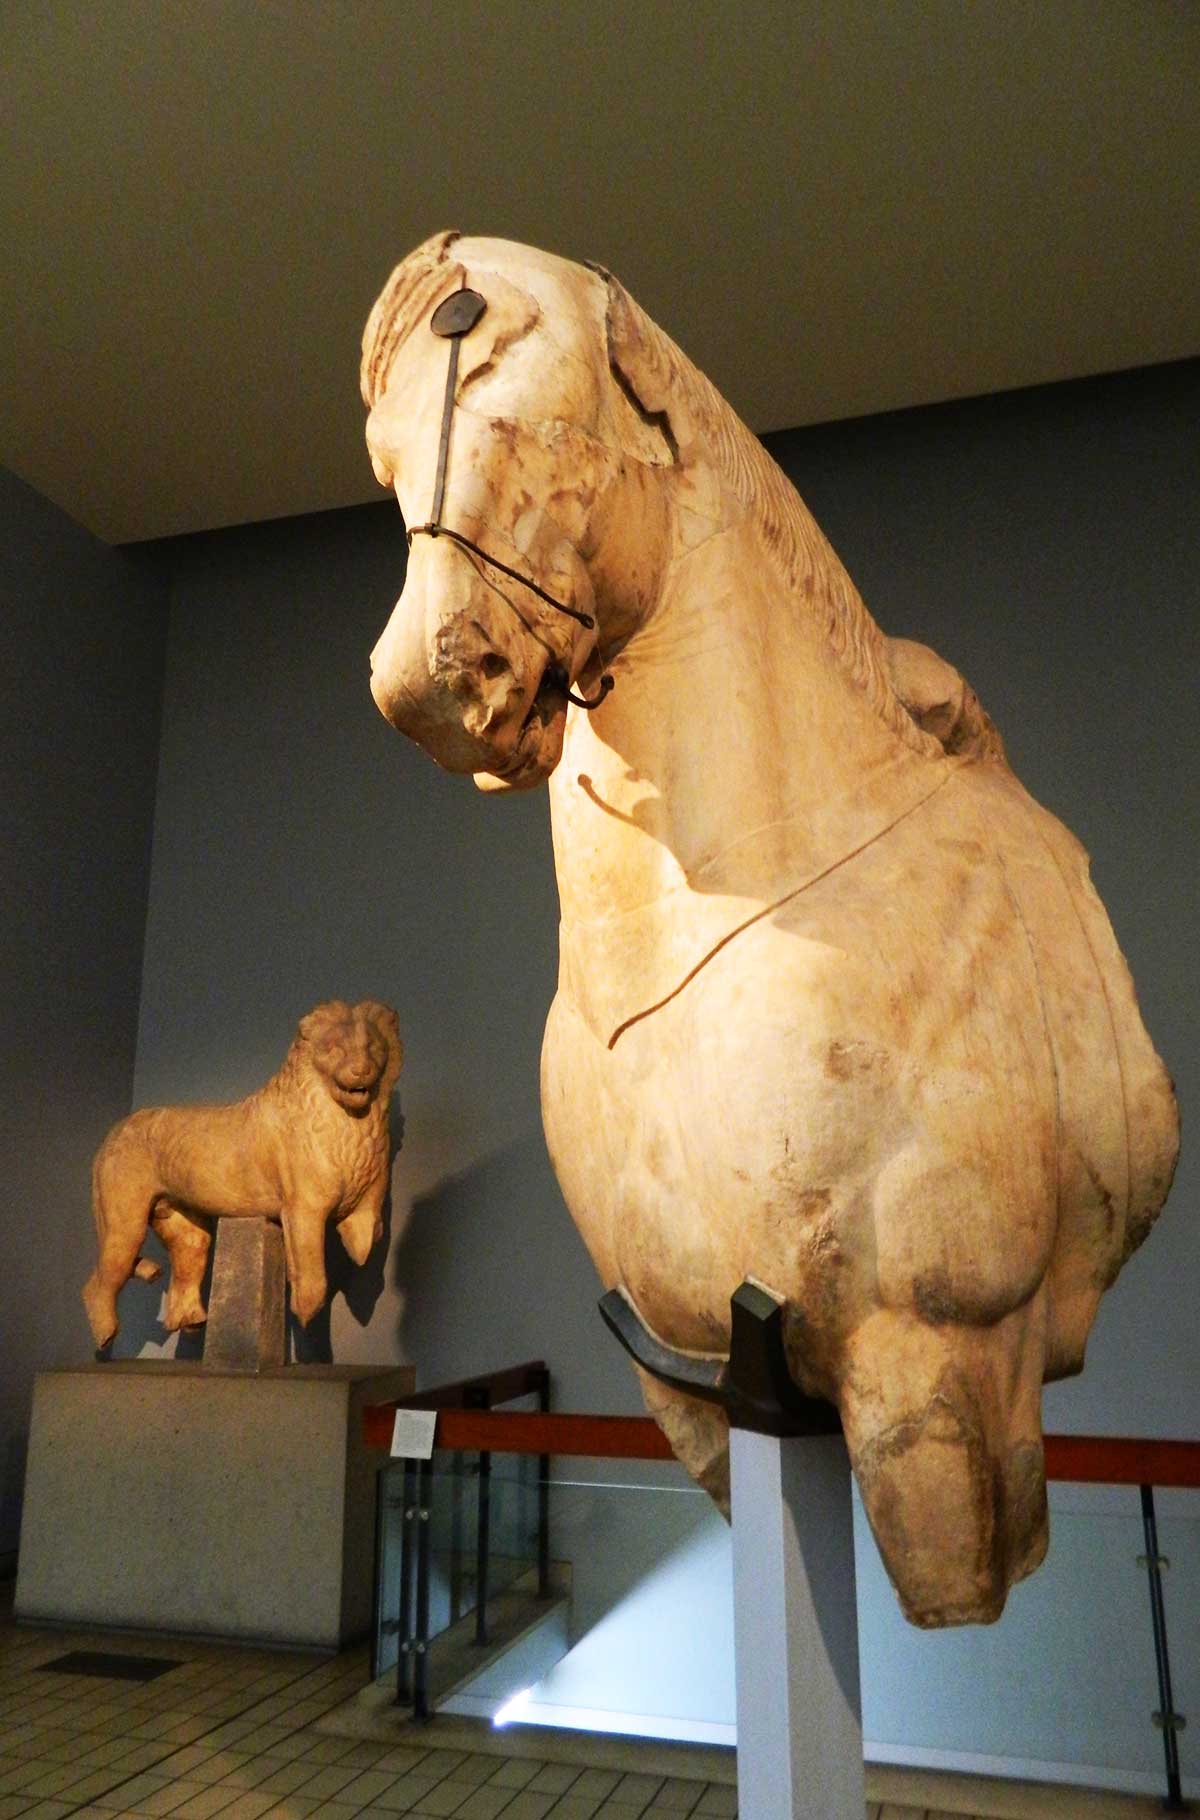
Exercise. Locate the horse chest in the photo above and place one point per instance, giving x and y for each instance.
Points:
(715, 1140)
(832, 1105)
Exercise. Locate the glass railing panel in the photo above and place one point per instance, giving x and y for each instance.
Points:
(631, 1630)
(1063, 1687)
(467, 1503)
(649, 1615)
(634, 1631)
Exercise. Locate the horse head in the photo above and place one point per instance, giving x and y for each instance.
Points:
(522, 463)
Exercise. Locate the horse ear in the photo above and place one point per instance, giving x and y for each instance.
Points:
(640, 357)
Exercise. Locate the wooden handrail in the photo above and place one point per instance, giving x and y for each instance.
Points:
(503, 1431)
(1118, 1460)
(483, 1391)
(1089, 1459)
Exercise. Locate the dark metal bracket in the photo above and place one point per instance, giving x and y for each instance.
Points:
(754, 1385)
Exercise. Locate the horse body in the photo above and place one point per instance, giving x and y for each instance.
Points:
(838, 1008)
(861, 1050)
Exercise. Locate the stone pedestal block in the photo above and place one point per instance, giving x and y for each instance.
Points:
(247, 1303)
(179, 1497)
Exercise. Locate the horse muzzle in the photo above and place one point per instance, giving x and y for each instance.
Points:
(473, 706)
(479, 686)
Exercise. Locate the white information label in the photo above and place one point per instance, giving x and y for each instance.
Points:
(412, 1434)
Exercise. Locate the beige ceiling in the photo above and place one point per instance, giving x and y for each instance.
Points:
(837, 206)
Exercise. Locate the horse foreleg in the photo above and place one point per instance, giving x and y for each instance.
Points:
(698, 1433)
(943, 1423)
(188, 1240)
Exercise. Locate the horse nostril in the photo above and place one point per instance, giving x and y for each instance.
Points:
(492, 665)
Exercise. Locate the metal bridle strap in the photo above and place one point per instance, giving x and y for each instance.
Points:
(433, 529)
(455, 317)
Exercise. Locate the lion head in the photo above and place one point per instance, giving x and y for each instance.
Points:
(354, 1050)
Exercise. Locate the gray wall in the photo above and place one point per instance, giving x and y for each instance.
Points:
(82, 632)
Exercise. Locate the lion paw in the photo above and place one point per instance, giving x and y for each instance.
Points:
(184, 1313)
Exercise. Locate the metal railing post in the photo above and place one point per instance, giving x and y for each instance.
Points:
(1167, 1719)
(483, 1543)
(456, 1537)
(421, 1641)
(377, 1570)
(404, 1614)
(543, 1537)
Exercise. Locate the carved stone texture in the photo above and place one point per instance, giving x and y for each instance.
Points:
(247, 1301)
(312, 1145)
(838, 1007)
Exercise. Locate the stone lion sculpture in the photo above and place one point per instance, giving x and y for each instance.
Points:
(312, 1145)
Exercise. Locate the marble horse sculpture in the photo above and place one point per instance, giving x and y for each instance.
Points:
(838, 1008)
(311, 1145)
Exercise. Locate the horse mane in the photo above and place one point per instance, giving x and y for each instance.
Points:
(667, 385)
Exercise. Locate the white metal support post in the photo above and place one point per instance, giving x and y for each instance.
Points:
(795, 1616)
(799, 1715)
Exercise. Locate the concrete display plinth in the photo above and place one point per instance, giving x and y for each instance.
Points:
(167, 1496)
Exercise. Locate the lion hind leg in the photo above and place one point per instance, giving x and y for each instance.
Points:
(188, 1240)
(121, 1209)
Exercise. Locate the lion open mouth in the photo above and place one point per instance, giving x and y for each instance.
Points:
(355, 1099)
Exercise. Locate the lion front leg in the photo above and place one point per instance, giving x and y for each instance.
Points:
(361, 1229)
(304, 1250)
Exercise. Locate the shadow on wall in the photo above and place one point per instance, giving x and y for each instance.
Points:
(492, 1272)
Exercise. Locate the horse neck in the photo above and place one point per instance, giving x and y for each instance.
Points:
(735, 747)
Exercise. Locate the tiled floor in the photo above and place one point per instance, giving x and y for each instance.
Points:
(234, 1733)
(229, 1732)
